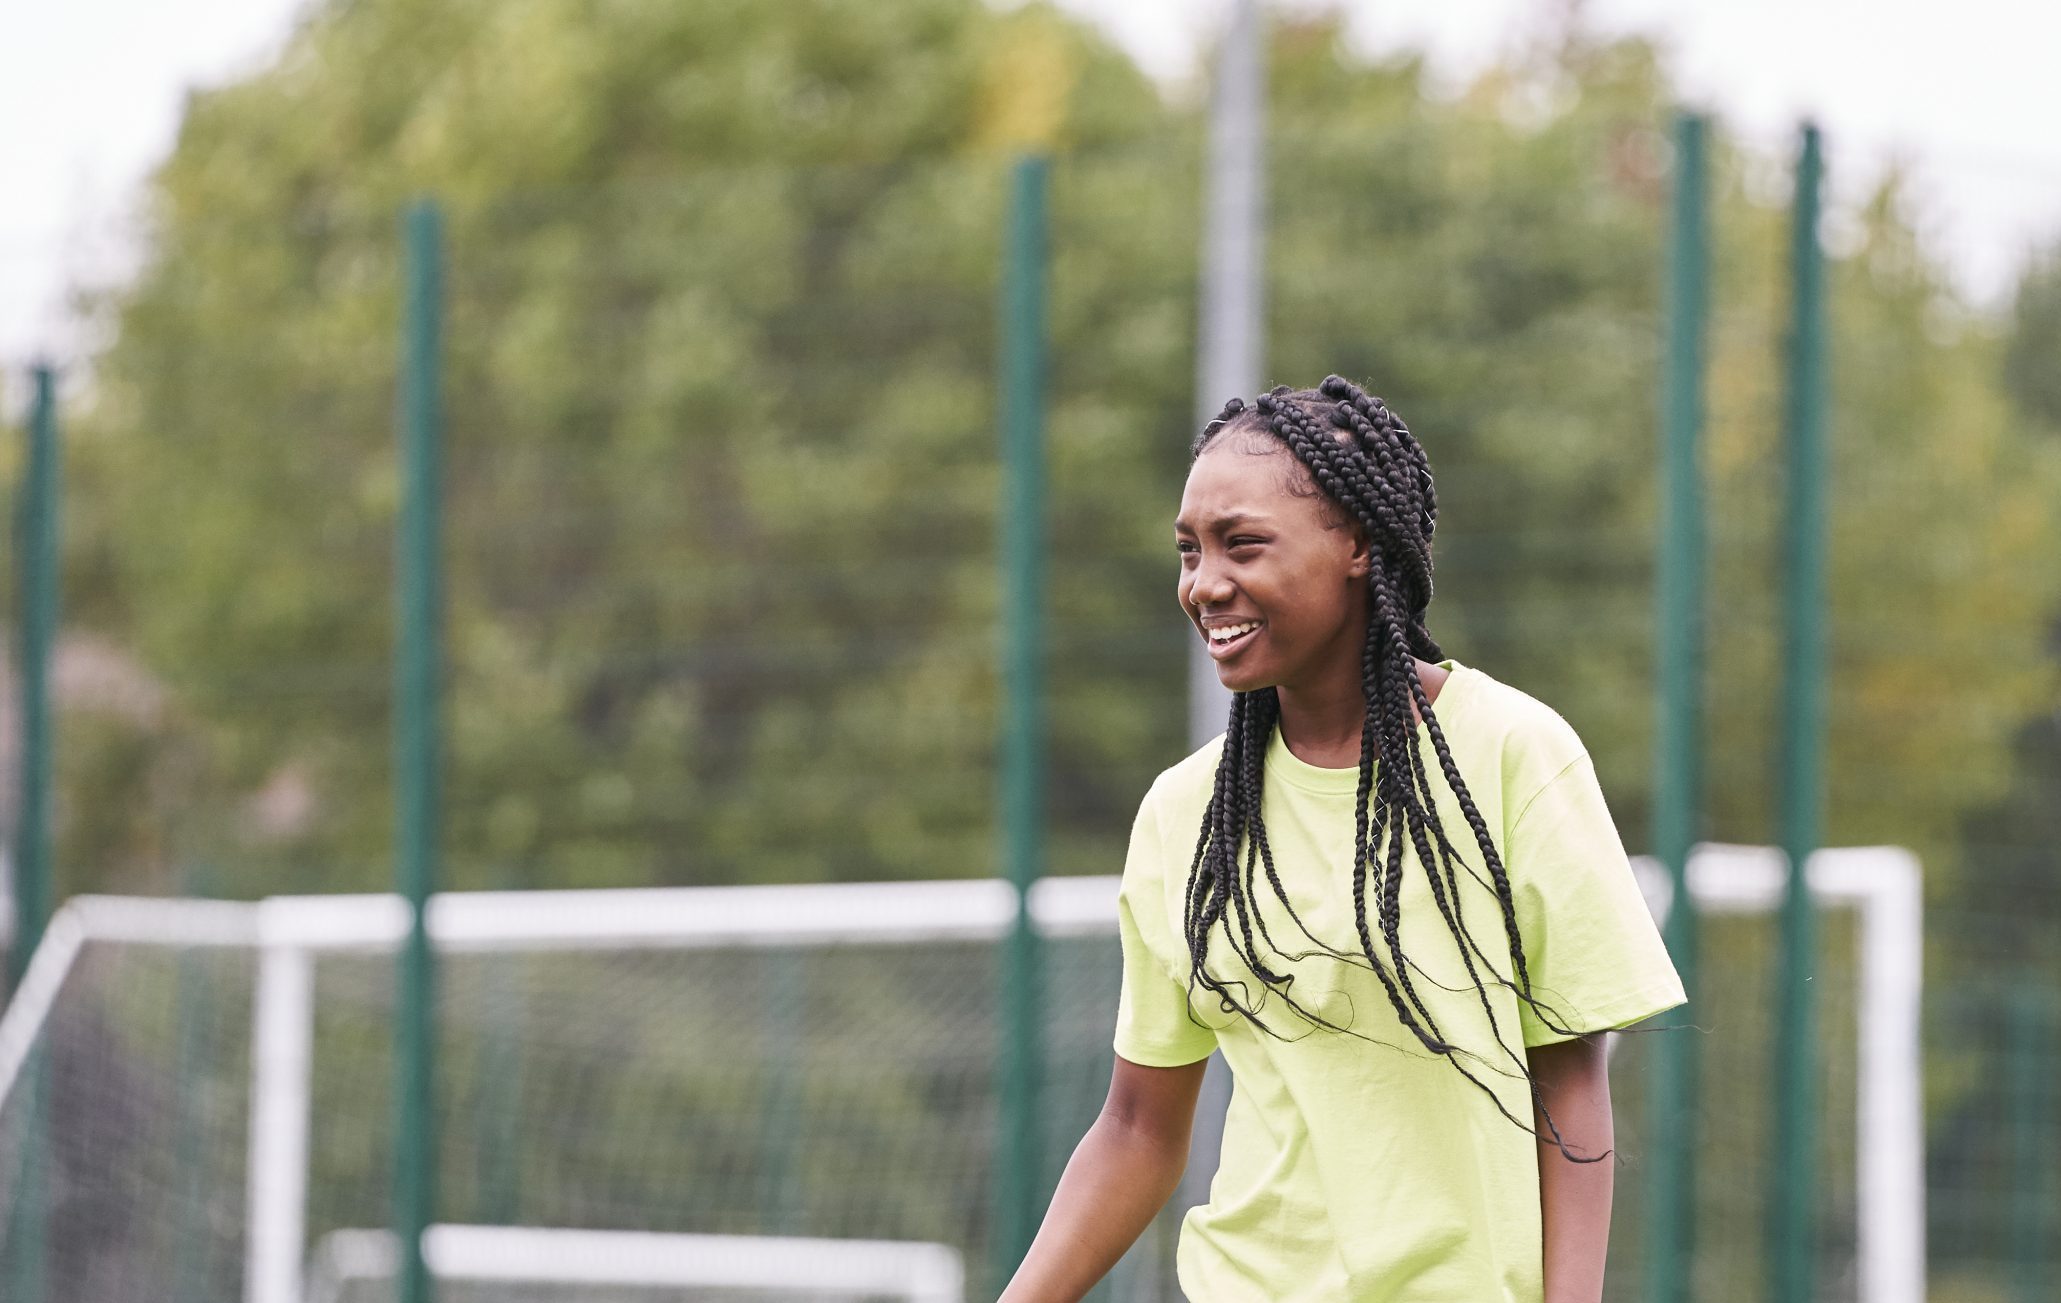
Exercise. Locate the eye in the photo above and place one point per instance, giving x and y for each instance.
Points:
(1185, 545)
(1245, 540)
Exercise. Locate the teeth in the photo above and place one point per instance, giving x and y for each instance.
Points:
(1230, 631)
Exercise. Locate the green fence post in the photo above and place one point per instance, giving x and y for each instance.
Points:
(37, 549)
(2029, 1064)
(417, 666)
(1023, 758)
(1792, 1174)
(784, 1034)
(1678, 776)
(27, 1230)
(194, 986)
(497, 1164)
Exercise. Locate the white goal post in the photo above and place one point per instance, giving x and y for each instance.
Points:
(287, 933)
(537, 1255)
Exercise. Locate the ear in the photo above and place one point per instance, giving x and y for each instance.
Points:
(1361, 563)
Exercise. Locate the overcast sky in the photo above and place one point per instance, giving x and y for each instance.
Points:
(90, 92)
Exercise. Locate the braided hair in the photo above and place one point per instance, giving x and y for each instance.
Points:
(1363, 462)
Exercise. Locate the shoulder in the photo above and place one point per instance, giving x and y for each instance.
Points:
(1192, 774)
(1529, 741)
(1180, 794)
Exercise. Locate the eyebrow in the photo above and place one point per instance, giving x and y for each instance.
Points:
(1226, 522)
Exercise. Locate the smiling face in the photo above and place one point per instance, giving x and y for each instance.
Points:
(1272, 581)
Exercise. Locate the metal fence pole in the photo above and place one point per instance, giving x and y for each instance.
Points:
(1678, 776)
(2030, 1019)
(417, 668)
(1229, 352)
(36, 550)
(37, 547)
(194, 990)
(498, 1165)
(1023, 726)
(1231, 279)
(1792, 1175)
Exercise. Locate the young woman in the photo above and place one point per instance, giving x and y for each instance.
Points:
(1391, 894)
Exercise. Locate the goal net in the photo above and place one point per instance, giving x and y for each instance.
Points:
(195, 1096)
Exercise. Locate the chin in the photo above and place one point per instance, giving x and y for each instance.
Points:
(1242, 679)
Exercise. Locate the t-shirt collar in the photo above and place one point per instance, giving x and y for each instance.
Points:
(1284, 764)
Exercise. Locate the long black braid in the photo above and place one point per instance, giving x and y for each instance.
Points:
(1363, 462)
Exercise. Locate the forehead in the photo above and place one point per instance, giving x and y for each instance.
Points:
(1241, 477)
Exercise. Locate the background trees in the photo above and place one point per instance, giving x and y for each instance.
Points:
(722, 474)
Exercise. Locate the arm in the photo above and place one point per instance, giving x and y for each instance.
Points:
(1574, 1081)
(1120, 1176)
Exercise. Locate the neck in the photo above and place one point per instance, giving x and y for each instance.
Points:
(1320, 723)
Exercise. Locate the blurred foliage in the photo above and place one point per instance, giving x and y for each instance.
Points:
(718, 392)
(722, 486)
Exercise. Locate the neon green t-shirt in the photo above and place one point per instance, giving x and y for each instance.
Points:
(1360, 1170)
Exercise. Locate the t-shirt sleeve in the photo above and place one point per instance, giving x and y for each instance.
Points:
(1594, 954)
(1153, 1027)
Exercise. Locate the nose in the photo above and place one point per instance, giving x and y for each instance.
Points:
(1207, 584)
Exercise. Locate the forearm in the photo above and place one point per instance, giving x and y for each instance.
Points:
(1117, 1180)
(1575, 1197)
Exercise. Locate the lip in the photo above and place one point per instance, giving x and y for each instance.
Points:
(1222, 651)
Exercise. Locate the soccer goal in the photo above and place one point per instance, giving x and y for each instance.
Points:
(195, 1095)
(799, 1066)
